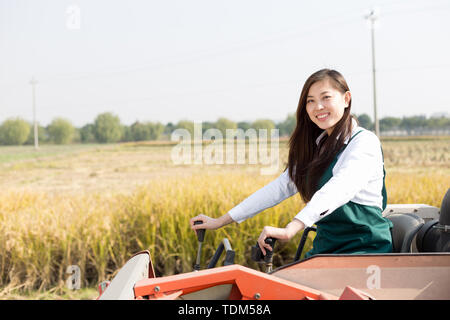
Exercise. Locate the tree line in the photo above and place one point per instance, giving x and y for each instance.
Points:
(418, 124)
(107, 128)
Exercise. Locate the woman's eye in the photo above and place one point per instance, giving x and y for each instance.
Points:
(309, 101)
(327, 97)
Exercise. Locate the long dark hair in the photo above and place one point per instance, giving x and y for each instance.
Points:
(305, 165)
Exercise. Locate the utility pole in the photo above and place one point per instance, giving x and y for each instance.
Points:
(372, 16)
(33, 83)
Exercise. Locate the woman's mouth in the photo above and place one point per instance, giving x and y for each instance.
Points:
(322, 116)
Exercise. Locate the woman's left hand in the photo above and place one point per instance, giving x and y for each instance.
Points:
(279, 233)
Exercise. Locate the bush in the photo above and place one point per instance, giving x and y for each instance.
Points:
(365, 121)
(87, 133)
(156, 130)
(186, 124)
(263, 124)
(287, 126)
(223, 124)
(107, 128)
(61, 131)
(14, 131)
(244, 125)
(42, 135)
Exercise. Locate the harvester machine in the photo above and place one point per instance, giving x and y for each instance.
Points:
(417, 269)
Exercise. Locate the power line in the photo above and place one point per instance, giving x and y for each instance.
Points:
(235, 47)
(250, 86)
(203, 55)
(439, 6)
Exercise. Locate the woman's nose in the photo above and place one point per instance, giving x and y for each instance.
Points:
(319, 106)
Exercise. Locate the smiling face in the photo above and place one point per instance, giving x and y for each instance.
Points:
(325, 104)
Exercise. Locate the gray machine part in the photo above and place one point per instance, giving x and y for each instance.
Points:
(122, 286)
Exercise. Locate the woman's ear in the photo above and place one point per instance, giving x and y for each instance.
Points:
(347, 98)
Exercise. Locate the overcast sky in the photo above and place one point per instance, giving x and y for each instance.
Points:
(204, 59)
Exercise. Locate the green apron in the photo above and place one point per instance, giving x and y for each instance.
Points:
(352, 228)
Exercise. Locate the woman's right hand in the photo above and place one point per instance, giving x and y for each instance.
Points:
(207, 222)
(210, 223)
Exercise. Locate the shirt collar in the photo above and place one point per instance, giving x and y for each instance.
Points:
(354, 129)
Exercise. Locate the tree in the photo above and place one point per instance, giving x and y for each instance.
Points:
(156, 130)
(108, 128)
(76, 138)
(263, 124)
(287, 126)
(127, 136)
(206, 125)
(87, 133)
(14, 131)
(61, 131)
(188, 125)
(365, 121)
(42, 135)
(223, 124)
(244, 125)
(169, 128)
(413, 123)
(143, 131)
(139, 131)
(389, 123)
(438, 122)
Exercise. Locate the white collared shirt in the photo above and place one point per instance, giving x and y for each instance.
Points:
(357, 177)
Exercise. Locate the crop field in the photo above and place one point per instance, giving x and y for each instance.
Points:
(94, 206)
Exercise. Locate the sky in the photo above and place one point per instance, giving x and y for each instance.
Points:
(199, 60)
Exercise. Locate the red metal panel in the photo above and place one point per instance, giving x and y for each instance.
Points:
(248, 283)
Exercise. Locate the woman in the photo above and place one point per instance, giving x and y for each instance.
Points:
(336, 166)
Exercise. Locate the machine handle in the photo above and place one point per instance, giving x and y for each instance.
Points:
(269, 253)
(200, 232)
(257, 254)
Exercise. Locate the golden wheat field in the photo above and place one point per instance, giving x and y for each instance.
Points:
(93, 206)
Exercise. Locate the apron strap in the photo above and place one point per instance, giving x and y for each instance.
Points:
(354, 136)
(383, 191)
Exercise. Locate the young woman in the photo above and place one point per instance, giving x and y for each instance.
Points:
(336, 166)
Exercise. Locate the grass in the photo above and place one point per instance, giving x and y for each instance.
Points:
(95, 206)
(52, 294)
(17, 153)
